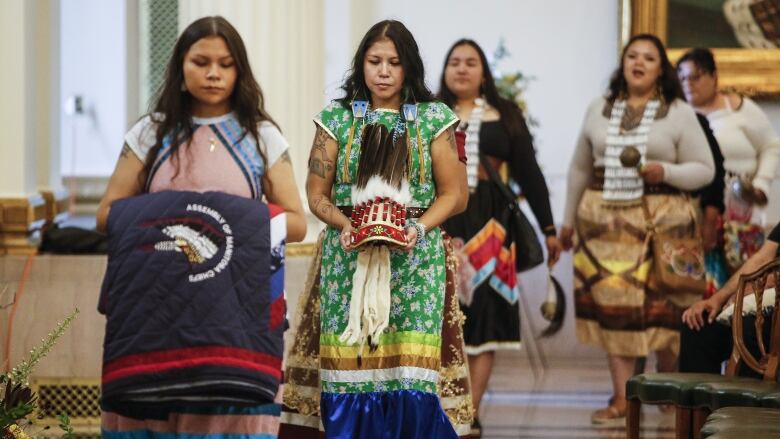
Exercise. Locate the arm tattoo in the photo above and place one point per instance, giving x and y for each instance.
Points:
(323, 206)
(125, 151)
(451, 138)
(319, 163)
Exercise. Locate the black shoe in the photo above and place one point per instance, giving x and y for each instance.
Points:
(476, 429)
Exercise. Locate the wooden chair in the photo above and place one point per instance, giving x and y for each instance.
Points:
(746, 392)
(695, 395)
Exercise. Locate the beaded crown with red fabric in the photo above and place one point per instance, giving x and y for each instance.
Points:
(380, 220)
(381, 191)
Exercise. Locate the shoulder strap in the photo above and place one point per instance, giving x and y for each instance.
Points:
(505, 191)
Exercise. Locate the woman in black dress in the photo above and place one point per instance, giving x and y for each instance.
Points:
(496, 129)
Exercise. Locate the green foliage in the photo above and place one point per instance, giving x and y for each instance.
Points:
(18, 401)
(22, 371)
(10, 416)
(65, 426)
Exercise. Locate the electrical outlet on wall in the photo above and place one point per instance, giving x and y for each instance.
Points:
(74, 105)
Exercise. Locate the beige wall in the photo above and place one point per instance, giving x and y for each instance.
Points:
(15, 163)
(28, 29)
(51, 292)
(44, 37)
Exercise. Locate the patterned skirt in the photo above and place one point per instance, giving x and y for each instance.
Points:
(717, 272)
(480, 236)
(300, 417)
(259, 422)
(618, 303)
(740, 237)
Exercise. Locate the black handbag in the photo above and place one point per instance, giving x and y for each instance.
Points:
(528, 250)
(73, 241)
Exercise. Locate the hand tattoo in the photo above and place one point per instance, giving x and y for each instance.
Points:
(319, 163)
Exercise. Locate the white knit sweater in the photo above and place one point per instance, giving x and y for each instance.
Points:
(749, 144)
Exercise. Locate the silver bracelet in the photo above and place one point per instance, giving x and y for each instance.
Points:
(420, 227)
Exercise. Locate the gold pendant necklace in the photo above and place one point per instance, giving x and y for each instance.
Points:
(212, 144)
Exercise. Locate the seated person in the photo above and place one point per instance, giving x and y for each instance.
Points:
(706, 338)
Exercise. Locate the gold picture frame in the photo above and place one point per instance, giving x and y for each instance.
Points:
(752, 72)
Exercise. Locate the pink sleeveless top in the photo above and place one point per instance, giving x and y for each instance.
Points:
(219, 157)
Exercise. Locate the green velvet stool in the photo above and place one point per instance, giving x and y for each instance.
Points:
(771, 400)
(746, 433)
(668, 388)
(742, 423)
(733, 392)
(665, 388)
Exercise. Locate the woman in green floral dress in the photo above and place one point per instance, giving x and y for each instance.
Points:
(388, 390)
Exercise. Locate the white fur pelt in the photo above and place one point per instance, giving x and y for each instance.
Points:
(369, 307)
(379, 187)
(353, 332)
(748, 306)
(376, 303)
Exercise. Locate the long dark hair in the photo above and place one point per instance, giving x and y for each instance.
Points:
(670, 84)
(414, 88)
(172, 108)
(511, 116)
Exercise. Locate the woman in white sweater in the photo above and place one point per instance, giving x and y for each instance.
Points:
(750, 146)
(619, 304)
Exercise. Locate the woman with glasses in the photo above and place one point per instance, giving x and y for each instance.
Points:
(751, 151)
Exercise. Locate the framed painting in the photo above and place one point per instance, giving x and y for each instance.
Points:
(744, 36)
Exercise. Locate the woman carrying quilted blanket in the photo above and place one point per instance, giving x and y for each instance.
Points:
(182, 358)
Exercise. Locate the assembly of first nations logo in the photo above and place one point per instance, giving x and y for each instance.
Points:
(199, 237)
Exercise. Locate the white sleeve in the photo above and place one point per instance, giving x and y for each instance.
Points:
(766, 142)
(142, 137)
(272, 142)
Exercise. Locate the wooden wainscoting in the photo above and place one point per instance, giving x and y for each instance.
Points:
(21, 220)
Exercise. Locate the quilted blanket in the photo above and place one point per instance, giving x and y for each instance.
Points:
(194, 301)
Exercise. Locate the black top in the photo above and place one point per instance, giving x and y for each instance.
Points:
(494, 141)
(774, 235)
(712, 194)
